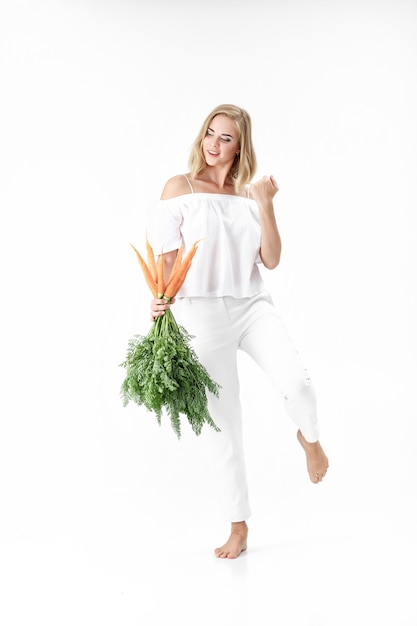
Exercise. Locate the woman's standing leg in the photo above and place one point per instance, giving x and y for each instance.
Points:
(216, 343)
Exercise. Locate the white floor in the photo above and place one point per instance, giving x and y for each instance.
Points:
(334, 572)
(109, 520)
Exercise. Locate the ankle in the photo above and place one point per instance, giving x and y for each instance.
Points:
(240, 527)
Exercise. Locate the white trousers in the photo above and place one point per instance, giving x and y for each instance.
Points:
(221, 327)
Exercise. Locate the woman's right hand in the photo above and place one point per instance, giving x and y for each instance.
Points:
(159, 306)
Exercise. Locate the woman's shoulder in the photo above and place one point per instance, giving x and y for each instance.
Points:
(182, 184)
(176, 186)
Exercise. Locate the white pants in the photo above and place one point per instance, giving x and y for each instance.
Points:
(221, 327)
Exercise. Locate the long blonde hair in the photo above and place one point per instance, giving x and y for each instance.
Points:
(245, 164)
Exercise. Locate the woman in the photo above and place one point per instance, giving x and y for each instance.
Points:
(223, 302)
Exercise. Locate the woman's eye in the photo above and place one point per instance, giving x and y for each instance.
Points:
(226, 139)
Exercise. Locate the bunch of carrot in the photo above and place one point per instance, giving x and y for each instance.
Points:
(162, 369)
(154, 272)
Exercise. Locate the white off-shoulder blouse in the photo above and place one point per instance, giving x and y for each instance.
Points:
(227, 259)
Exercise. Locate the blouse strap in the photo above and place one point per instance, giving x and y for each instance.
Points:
(188, 181)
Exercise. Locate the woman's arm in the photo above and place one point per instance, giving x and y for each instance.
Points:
(175, 186)
(263, 191)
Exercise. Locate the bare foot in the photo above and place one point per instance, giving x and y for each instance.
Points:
(317, 461)
(236, 543)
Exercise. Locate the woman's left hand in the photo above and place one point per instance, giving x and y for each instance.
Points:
(263, 190)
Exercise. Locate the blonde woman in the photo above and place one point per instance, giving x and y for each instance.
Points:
(224, 303)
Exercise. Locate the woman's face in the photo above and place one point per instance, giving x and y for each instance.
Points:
(220, 144)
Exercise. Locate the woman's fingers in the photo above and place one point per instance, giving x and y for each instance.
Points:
(274, 183)
(264, 189)
(159, 306)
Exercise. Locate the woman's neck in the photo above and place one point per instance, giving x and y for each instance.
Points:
(216, 181)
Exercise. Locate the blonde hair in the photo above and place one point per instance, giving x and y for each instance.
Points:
(245, 164)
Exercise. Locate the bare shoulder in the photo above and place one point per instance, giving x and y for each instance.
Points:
(175, 186)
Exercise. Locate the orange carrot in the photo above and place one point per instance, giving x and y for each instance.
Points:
(175, 267)
(147, 274)
(176, 285)
(151, 260)
(160, 276)
(179, 278)
(185, 265)
(154, 272)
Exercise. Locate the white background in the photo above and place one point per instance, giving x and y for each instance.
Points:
(105, 517)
